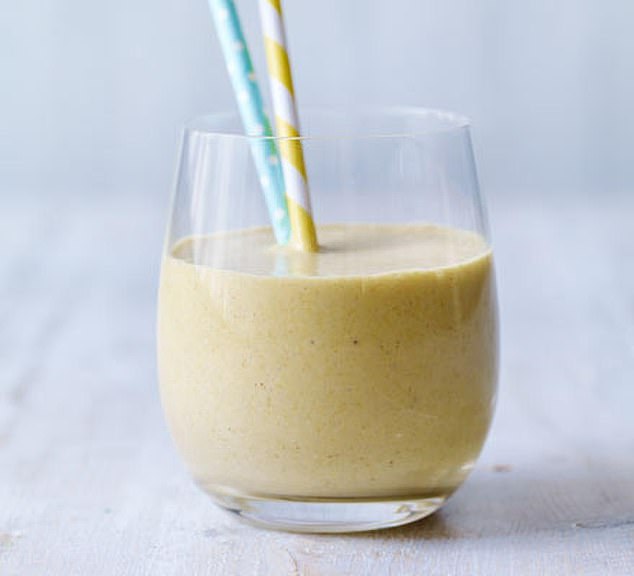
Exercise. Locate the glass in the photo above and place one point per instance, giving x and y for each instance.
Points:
(347, 390)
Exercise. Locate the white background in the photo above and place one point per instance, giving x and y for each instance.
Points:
(94, 93)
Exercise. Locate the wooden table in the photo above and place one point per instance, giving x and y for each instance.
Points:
(90, 483)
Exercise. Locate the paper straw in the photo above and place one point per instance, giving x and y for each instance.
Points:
(287, 124)
(254, 119)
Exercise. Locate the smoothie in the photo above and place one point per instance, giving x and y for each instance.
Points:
(367, 370)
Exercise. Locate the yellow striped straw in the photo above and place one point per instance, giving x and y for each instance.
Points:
(287, 124)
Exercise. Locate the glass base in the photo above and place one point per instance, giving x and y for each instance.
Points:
(326, 515)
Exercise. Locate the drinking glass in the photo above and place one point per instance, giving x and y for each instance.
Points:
(344, 390)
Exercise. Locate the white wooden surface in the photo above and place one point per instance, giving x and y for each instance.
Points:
(90, 483)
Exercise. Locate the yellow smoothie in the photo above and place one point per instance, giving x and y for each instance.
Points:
(367, 370)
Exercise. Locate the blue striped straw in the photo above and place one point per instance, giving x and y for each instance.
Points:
(254, 119)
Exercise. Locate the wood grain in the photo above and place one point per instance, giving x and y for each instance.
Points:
(90, 483)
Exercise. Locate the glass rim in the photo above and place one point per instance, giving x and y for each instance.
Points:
(209, 125)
